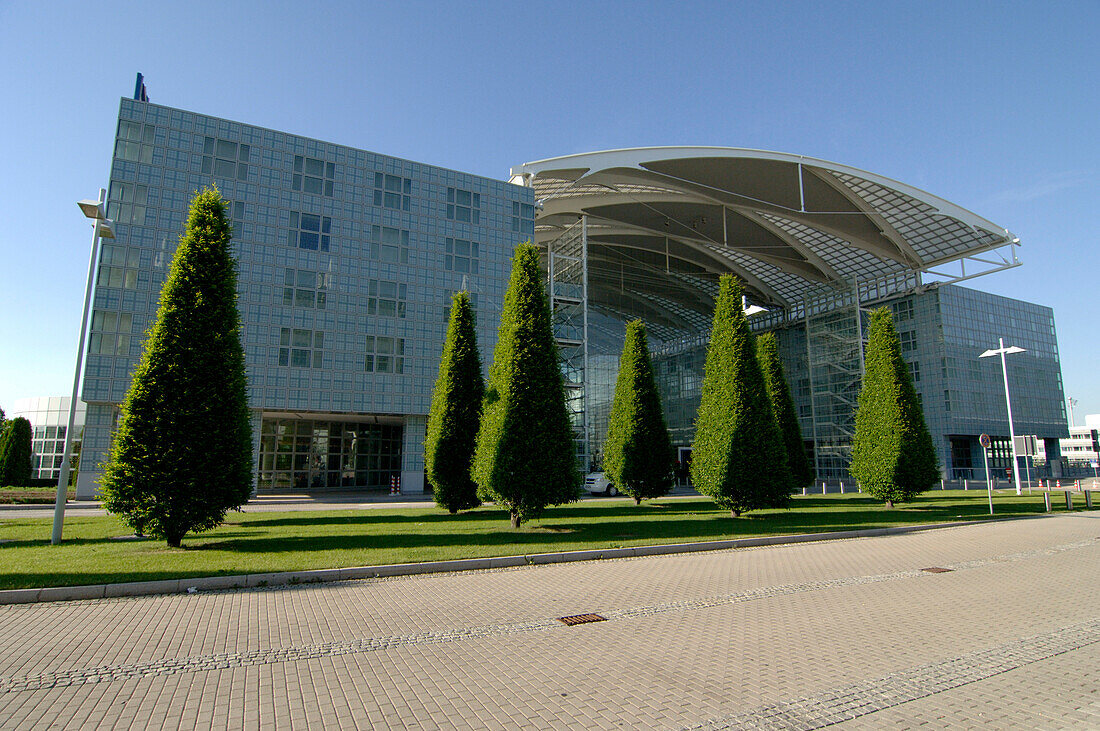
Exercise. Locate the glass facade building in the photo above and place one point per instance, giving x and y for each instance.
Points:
(942, 330)
(347, 260)
(49, 418)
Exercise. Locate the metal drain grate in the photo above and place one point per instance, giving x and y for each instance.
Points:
(937, 570)
(581, 619)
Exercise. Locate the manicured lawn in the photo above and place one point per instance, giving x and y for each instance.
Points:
(268, 542)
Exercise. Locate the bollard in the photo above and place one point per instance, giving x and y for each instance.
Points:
(1088, 499)
(823, 487)
(803, 490)
(966, 484)
(942, 486)
(1069, 500)
(398, 478)
(1046, 501)
(842, 487)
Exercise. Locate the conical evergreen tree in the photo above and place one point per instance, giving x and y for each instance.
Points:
(455, 413)
(779, 393)
(525, 457)
(738, 457)
(893, 457)
(182, 455)
(637, 452)
(15, 453)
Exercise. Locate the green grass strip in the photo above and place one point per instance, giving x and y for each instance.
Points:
(294, 541)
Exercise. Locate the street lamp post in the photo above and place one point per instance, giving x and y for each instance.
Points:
(1001, 351)
(101, 229)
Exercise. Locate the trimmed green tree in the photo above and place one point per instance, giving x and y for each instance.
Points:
(893, 457)
(182, 454)
(455, 413)
(638, 452)
(779, 393)
(738, 457)
(15, 453)
(525, 458)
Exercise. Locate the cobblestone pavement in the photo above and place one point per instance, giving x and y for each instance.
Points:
(852, 632)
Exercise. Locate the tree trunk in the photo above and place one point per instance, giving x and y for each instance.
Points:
(637, 501)
(736, 513)
(515, 519)
(889, 503)
(173, 541)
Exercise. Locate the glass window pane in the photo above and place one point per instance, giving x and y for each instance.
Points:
(244, 152)
(384, 345)
(330, 170)
(207, 165)
(462, 214)
(284, 336)
(297, 163)
(312, 185)
(225, 168)
(317, 359)
(242, 172)
(306, 278)
(462, 197)
(370, 363)
(125, 322)
(307, 240)
(284, 356)
(314, 167)
(297, 182)
(325, 240)
(294, 219)
(322, 299)
(303, 297)
(303, 338)
(319, 339)
(299, 358)
(328, 188)
(382, 364)
(129, 278)
(208, 146)
(288, 296)
(326, 225)
(311, 222)
(387, 308)
(226, 149)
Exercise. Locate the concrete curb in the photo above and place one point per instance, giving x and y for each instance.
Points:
(285, 578)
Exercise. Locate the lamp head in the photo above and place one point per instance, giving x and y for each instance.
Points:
(92, 209)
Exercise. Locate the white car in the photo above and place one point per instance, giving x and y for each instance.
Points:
(597, 483)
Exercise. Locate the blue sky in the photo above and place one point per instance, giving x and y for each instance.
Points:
(990, 105)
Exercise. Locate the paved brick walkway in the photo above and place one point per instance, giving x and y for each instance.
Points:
(802, 636)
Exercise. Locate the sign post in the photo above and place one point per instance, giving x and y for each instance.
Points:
(985, 442)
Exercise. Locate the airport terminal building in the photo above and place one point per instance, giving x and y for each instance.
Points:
(347, 260)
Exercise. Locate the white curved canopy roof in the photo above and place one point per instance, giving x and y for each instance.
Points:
(784, 223)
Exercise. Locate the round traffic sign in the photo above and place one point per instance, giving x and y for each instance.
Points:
(985, 441)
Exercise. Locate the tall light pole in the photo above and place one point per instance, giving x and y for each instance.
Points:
(1071, 402)
(101, 229)
(1001, 351)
